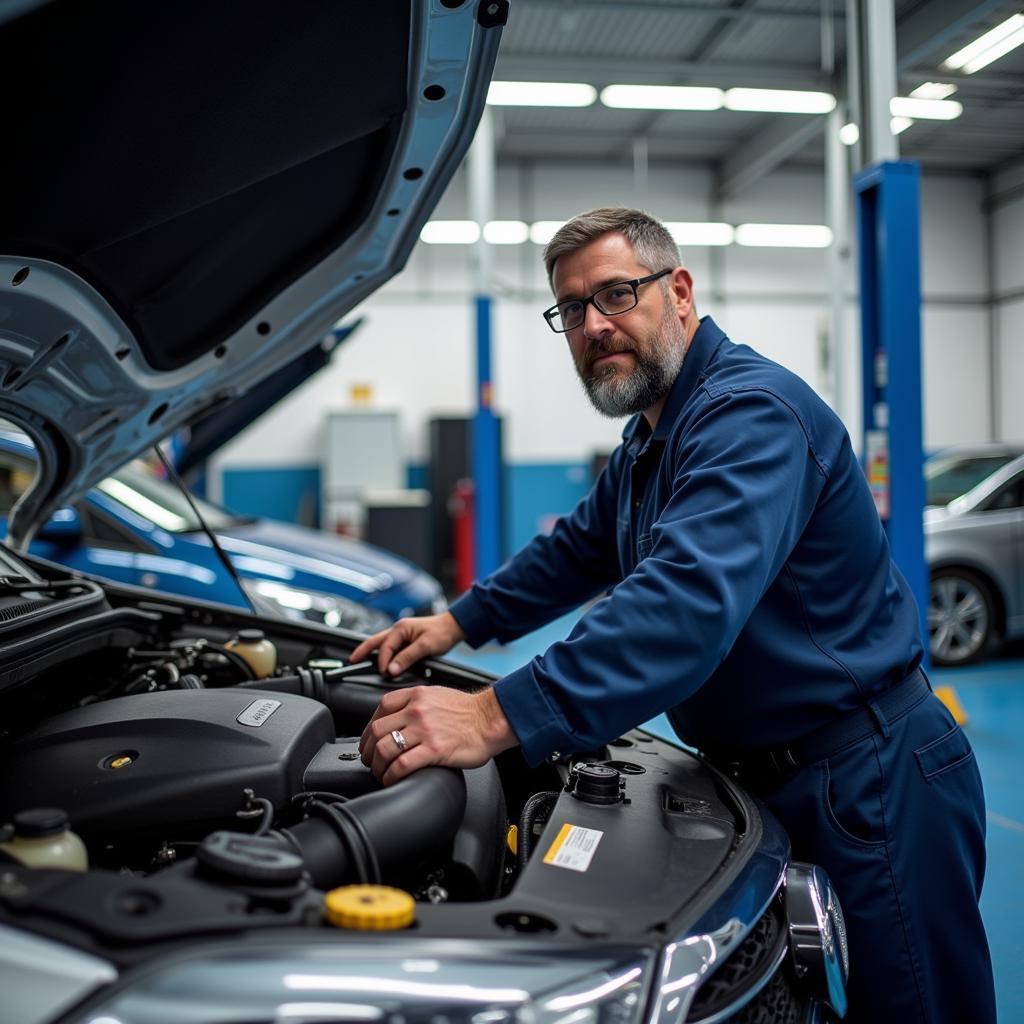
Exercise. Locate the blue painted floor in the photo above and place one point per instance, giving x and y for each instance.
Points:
(992, 694)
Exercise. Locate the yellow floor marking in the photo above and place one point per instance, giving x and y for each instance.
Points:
(948, 697)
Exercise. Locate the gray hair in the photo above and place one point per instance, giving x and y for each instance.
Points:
(653, 246)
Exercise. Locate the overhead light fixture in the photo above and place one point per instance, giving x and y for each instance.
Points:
(925, 110)
(700, 232)
(450, 232)
(934, 90)
(849, 134)
(506, 232)
(798, 236)
(542, 231)
(662, 97)
(541, 94)
(991, 46)
(780, 101)
(898, 125)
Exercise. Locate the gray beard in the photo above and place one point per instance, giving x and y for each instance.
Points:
(614, 395)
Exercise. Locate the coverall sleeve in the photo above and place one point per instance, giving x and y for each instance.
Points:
(553, 574)
(745, 483)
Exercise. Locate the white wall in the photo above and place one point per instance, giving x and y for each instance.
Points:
(416, 349)
(1007, 225)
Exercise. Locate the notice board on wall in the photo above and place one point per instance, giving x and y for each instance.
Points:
(362, 452)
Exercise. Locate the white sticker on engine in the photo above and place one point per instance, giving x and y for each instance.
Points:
(573, 848)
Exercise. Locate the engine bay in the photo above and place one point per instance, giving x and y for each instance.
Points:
(217, 797)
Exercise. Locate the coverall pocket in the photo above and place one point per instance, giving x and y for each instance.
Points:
(949, 751)
(851, 794)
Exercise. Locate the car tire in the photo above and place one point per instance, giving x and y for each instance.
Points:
(961, 617)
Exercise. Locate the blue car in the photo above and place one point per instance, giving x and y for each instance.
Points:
(136, 528)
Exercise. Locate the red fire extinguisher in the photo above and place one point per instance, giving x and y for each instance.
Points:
(461, 507)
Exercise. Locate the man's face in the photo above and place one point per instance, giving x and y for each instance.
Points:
(626, 363)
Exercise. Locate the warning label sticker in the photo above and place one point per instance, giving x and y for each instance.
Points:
(573, 848)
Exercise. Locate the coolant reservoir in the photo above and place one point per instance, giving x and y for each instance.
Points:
(256, 649)
(42, 839)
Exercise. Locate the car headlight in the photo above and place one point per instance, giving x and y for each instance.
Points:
(414, 983)
(314, 606)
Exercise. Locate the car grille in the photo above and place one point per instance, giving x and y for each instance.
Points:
(778, 1002)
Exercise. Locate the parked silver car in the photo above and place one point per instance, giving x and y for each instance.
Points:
(974, 544)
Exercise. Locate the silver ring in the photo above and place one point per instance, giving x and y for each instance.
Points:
(399, 739)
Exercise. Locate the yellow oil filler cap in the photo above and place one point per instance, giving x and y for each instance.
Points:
(512, 839)
(369, 908)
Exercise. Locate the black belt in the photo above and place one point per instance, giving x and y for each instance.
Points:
(853, 726)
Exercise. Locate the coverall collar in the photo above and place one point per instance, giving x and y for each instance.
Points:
(703, 346)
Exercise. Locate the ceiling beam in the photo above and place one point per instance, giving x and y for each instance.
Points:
(929, 34)
(709, 9)
(601, 71)
(786, 135)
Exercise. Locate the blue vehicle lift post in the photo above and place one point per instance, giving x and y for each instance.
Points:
(887, 192)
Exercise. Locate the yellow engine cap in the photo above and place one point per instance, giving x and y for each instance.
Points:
(369, 908)
(512, 839)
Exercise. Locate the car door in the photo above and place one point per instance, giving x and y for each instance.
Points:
(1003, 513)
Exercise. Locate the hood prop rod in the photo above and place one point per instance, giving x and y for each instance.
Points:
(172, 473)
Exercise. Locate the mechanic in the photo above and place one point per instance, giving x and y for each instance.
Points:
(751, 596)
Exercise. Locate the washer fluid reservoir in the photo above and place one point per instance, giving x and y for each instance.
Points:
(42, 839)
(256, 649)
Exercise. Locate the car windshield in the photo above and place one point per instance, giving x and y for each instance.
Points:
(161, 502)
(949, 477)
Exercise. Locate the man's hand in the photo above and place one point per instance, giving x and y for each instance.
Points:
(439, 725)
(409, 640)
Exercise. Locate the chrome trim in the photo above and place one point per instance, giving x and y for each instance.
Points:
(370, 982)
(817, 935)
(41, 979)
(686, 962)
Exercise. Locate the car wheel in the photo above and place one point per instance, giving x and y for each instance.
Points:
(961, 616)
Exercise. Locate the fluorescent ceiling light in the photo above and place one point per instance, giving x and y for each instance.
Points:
(991, 46)
(541, 94)
(542, 231)
(700, 232)
(506, 232)
(934, 90)
(898, 125)
(662, 97)
(780, 101)
(450, 232)
(849, 134)
(799, 236)
(925, 110)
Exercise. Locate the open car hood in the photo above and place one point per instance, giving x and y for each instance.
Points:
(196, 192)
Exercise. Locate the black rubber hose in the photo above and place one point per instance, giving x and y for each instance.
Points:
(352, 704)
(532, 810)
(402, 824)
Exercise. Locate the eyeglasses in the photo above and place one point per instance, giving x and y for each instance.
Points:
(611, 300)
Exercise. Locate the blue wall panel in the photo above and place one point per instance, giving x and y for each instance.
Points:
(535, 494)
(290, 493)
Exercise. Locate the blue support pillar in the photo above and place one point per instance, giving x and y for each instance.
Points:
(486, 451)
(888, 222)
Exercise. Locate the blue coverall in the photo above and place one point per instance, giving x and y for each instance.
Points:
(752, 596)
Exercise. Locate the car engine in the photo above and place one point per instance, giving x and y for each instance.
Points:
(208, 764)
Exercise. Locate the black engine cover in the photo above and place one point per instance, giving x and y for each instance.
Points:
(174, 762)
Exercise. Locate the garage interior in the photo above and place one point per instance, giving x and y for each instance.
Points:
(716, 171)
